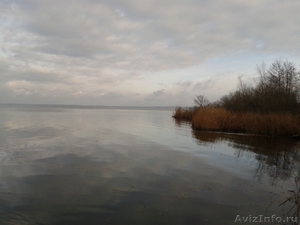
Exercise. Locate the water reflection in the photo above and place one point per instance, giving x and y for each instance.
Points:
(278, 158)
(116, 166)
(131, 180)
(181, 122)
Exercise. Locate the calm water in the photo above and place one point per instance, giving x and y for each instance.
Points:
(80, 165)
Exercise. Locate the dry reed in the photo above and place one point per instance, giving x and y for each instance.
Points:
(184, 113)
(220, 119)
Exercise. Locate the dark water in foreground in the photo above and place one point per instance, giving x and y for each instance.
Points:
(75, 165)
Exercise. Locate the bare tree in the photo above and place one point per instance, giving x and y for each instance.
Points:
(284, 77)
(262, 72)
(277, 90)
(201, 101)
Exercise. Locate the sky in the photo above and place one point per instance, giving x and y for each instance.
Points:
(139, 52)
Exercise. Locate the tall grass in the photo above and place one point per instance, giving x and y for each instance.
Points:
(184, 113)
(220, 119)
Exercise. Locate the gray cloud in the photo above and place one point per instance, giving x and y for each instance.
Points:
(90, 48)
(207, 84)
(158, 93)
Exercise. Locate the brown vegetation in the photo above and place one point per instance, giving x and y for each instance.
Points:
(220, 119)
(184, 113)
(269, 108)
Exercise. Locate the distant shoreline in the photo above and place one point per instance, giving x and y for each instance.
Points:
(88, 106)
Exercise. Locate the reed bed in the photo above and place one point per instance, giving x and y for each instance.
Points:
(184, 113)
(220, 119)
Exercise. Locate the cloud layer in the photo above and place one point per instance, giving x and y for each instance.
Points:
(105, 52)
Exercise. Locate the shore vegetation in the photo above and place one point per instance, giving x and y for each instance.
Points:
(269, 107)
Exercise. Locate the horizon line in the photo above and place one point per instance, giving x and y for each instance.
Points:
(56, 104)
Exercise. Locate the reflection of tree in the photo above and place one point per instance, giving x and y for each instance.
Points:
(279, 166)
(278, 158)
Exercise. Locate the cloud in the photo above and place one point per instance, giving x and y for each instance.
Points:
(52, 48)
(204, 85)
(158, 93)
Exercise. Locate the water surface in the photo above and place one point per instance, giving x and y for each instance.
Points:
(102, 165)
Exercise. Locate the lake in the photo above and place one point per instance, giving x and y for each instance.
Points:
(134, 165)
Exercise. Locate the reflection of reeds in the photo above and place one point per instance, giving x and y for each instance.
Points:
(182, 122)
(219, 119)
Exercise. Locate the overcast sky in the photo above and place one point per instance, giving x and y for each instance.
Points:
(139, 52)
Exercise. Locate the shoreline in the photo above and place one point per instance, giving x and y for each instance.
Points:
(219, 120)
